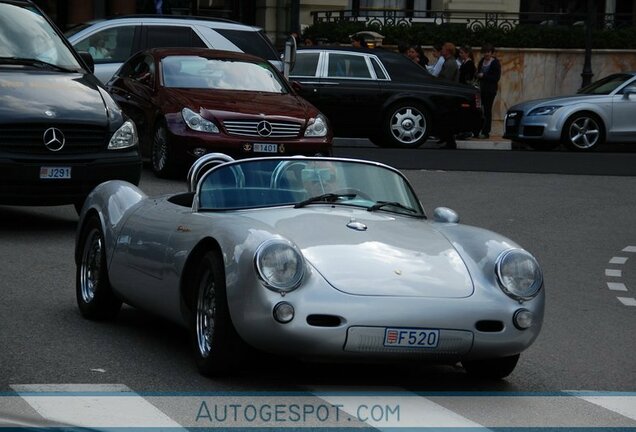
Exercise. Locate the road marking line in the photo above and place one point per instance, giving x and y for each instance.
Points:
(623, 405)
(93, 411)
(616, 286)
(613, 273)
(630, 249)
(618, 260)
(627, 301)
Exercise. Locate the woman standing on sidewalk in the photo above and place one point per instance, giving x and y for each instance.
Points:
(489, 73)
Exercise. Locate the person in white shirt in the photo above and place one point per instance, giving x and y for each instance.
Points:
(437, 66)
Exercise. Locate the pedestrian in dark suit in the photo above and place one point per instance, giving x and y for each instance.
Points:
(489, 74)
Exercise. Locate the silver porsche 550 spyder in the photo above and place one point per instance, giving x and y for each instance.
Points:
(317, 258)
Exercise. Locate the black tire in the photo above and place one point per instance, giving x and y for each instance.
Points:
(583, 132)
(496, 368)
(217, 345)
(95, 298)
(162, 158)
(406, 125)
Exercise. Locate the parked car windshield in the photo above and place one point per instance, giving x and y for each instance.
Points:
(606, 85)
(26, 35)
(304, 182)
(226, 74)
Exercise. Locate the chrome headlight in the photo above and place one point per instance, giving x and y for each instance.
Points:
(280, 265)
(518, 274)
(198, 123)
(124, 137)
(317, 127)
(544, 110)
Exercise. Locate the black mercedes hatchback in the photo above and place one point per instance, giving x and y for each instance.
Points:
(61, 134)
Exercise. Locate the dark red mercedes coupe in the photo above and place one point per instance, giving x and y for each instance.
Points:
(187, 102)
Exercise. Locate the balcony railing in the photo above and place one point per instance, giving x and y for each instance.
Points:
(472, 19)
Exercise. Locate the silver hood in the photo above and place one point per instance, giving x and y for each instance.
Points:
(561, 100)
(394, 256)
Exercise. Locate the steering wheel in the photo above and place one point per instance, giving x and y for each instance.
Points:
(357, 192)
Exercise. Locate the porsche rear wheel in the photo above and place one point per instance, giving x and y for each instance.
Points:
(216, 343)
(161, 154)
(95, 297)
(496, 368)
(406, 125)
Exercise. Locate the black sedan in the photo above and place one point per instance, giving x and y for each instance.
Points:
(382, 95)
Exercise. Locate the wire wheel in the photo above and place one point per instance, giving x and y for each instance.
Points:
(90, 269)
(206, 313)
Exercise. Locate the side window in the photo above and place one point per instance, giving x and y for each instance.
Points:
(111, 45)
(347, 65)
(141, 68)
(306, 65)
(378, 70)
(172, 36)
(251, 42)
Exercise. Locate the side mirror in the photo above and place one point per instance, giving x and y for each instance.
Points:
(88, 61)
(629, 90)
(298, 87)
(445, 215)
(289, 58)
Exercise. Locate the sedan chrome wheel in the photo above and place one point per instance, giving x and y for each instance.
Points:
(91, 265)
(160, 151)
(408, 126)
(584, 132)
(206, 313)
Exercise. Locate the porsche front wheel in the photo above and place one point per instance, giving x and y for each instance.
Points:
(496, 368)
(216, 343)
(95, 297)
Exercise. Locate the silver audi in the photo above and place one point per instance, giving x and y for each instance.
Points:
(600, 113)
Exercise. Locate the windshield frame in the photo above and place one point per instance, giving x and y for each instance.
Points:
(620, 78)
(222, 74)
(39, 39)
(369, 183)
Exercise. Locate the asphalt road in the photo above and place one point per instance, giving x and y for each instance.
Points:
(580, 227)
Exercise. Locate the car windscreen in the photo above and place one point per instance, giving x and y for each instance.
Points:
(251, 42)
(26, 36)
(223, 74)
(606, 85)
(306, 181)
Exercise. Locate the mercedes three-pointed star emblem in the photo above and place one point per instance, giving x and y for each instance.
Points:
(53, 139)
(264, 128)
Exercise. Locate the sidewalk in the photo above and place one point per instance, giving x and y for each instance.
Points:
(495, 142)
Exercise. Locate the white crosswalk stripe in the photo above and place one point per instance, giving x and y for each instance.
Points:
(103, 406)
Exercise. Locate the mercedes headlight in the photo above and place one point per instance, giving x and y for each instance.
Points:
(279, 265)
(198, 123)
(544, 110)
(317, 127)
(518, 274)
(124, 137)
